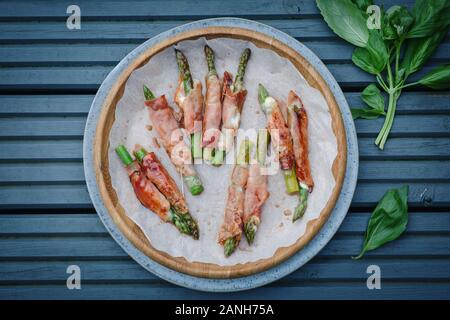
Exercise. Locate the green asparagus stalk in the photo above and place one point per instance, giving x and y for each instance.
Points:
(251, 226)
(194, 183)
(185, 71)
(209, 53)
(242, 159)
(267, 103)
(184, 222)
(302, 204)
(229, 246)
(188, 84)
(218, 157)
(238, 84)
(148, 95)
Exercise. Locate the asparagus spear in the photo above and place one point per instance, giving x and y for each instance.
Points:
(183, 225)
(242, 160)
(268, 104)
(209, 53)
(236, 87)
(192, 181)
(238, 84)
(167, 186)
(251, 226)
(188, 85)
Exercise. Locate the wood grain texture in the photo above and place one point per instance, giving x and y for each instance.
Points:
(132, 231)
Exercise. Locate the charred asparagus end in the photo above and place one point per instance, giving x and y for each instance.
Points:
(239, 80)
(229, 246)
(262, 95)
(209, 53)
(290, 181)
(140, 153)
(148, 95)
(250, 228)
(194, 184)
(185, 72)
(303, 202)
(124, 155)
(184, 223)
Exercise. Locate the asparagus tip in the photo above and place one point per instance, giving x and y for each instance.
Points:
(185, 224)
(303, 202)
(250, 229)
(196, 190)
(262, 94)
(229, 246)
(148, 94)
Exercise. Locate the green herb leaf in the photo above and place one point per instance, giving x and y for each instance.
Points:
(363, 4)
(346, 20)
(374, 57)
(419, 50)
(396, 22)
(430, 16)
(438, 78)
(371, 95)
(388, 220)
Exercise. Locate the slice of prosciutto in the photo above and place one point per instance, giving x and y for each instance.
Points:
(158, 175)
(231, 107)
(172, 137)
(234, 209)
(256, 195)
(147, 193)
(279, 133)
(212, 116)
(191, 106)
(298, 126)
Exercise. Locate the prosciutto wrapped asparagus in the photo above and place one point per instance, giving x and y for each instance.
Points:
(152, 198)
(189, 99)
(234, 94)
(256, 192)
(158, 175)
(172, 138)
(231, 229)
(277, 124)
(298, 125)
(212, 116)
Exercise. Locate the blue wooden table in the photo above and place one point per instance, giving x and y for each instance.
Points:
(48, 78)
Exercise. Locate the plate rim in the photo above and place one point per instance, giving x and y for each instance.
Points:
(251, 281)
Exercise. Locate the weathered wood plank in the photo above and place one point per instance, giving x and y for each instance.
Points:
(325, 290)
(80, 224)
(59, 105)
(317, 269)
(348, 76)
(369, 171)
(162, 9)
(105, 247)
(71, 150)
(73, 126)
(111, 53)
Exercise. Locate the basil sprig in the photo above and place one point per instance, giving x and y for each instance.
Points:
(402, 45)
(388, 220)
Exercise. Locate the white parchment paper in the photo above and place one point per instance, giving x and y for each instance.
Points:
(276, 230)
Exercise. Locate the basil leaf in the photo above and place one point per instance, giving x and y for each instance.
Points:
(430, 16)
(388, 220)
(396, 22)
(366, 113)
(346, 20)
(372, 96)
(363, 4)
(374, 57)
(419, 50)
(438, 78)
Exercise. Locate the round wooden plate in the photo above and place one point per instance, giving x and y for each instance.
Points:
(102, 116)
